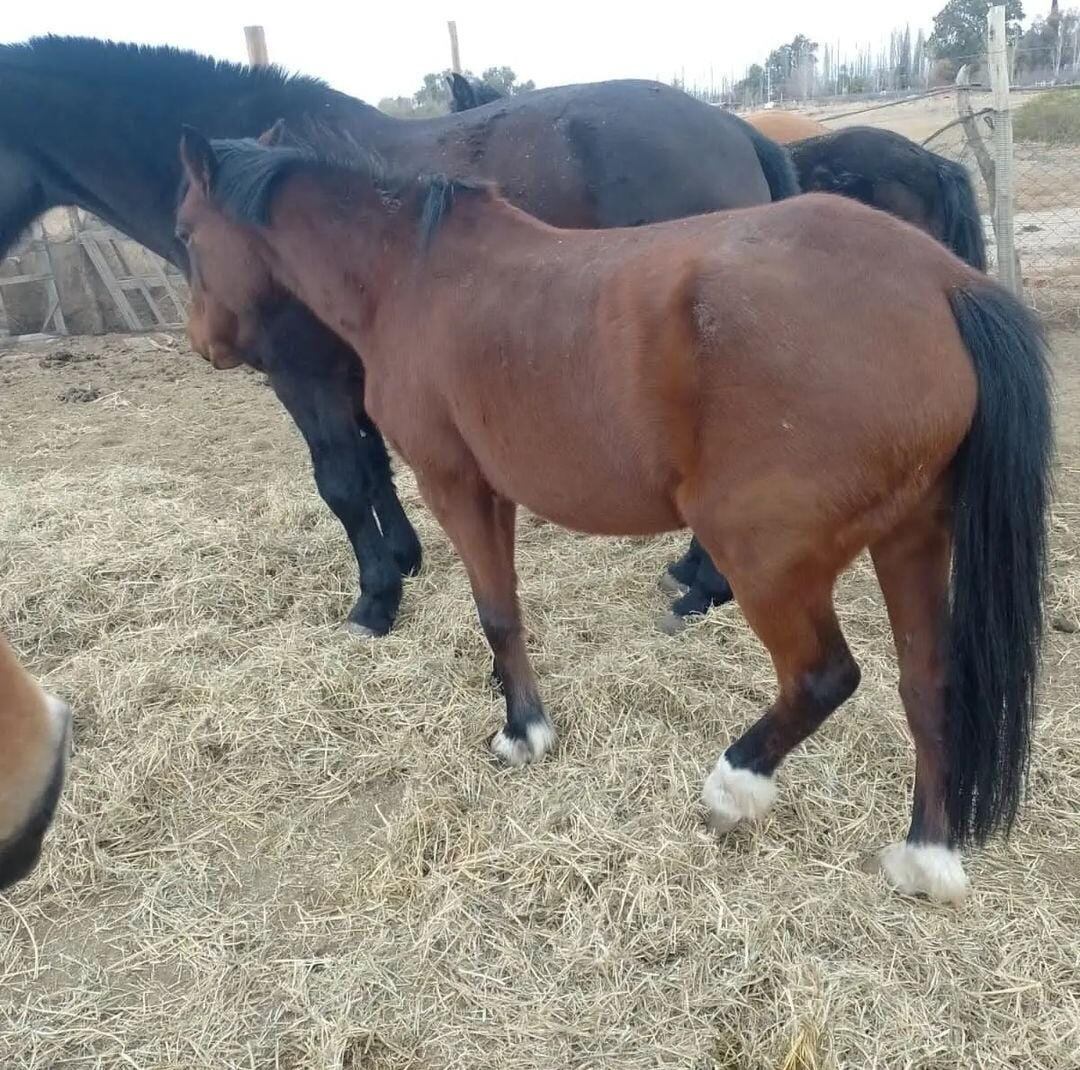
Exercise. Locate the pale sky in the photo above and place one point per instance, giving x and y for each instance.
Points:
(372, 50)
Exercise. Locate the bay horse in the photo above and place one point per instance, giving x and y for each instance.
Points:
(97, 125)
(35, 730)
(884, 170)
(795, 383)
(784, 126)
(878, 167)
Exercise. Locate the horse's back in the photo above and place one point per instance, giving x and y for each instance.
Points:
(606, 154)
(824, 333)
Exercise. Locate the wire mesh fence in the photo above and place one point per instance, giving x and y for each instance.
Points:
(1046, 208)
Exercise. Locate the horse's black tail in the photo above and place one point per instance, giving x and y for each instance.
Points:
(776, 164)
(962, 221)
(1002, 495)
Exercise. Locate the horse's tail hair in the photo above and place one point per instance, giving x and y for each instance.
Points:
(1002, 489)
(963, 227)
(776, 164)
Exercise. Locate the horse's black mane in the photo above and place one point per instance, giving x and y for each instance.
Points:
(247, 175)
(74, 86)
(108, 61)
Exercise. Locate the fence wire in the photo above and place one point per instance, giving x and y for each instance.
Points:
(1046, 212)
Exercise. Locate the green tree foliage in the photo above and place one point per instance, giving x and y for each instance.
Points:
(960, 28)
(505, 81)
(791, 67)
(433, 96)
(1048, 45)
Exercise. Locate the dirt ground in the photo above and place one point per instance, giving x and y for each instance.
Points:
(284, 848)
(916, 119)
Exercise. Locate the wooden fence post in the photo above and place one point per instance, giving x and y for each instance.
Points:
(256, 46)
(1003, 151)
(455, 53)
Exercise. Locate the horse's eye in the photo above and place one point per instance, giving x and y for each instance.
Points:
(183, 234)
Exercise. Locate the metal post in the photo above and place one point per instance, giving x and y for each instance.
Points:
(1007, 266)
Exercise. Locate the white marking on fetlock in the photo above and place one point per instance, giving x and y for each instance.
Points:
(669, 585)
(539, 739)
(361, 631)
(929, 869)
(733, 795)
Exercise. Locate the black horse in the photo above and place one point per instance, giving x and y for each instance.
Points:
(889, 171)
(97, 124)
(878, 167)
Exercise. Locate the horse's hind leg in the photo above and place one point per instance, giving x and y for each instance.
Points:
(480, 524)
(792, 613)
(912, 564)
(699, 584)
(680, 575)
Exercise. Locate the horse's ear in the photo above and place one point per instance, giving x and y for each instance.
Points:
(273, 136)
(197, 156)
(461, 92)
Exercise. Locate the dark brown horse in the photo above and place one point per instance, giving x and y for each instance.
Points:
(795, 383)
(97, 124)
(34, 733)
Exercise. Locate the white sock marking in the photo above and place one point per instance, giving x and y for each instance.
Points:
(733, 795)
(929, 869)
(539, 739)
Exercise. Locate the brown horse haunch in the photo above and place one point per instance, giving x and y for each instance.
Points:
(34, 731)
(794, 383)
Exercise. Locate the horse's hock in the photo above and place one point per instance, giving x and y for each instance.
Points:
(72, 274)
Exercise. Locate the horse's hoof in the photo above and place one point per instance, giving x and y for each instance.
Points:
(361, 631)
(671, 624)
(513, 751)
(671, 586)
(370, 618)
(732, 796)
(928, 869)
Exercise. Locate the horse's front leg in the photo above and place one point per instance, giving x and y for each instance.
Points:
(480, 524)
(352, 472)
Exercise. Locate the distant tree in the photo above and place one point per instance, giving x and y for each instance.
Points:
(433, 96)
(1043, 47)
(904, 61)
(919, 61)
(505, 81)
(791, 67)
(750, 89)
(960, 29)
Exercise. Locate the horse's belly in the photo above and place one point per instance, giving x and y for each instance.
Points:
(584, 496)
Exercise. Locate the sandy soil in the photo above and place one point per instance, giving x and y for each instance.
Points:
(284, 848)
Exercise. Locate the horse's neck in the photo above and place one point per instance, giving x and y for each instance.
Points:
(101, 164)
(351, 274)
(330, 267)
(129, 176)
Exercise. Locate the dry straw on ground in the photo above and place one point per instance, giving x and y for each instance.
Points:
(284, 848)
